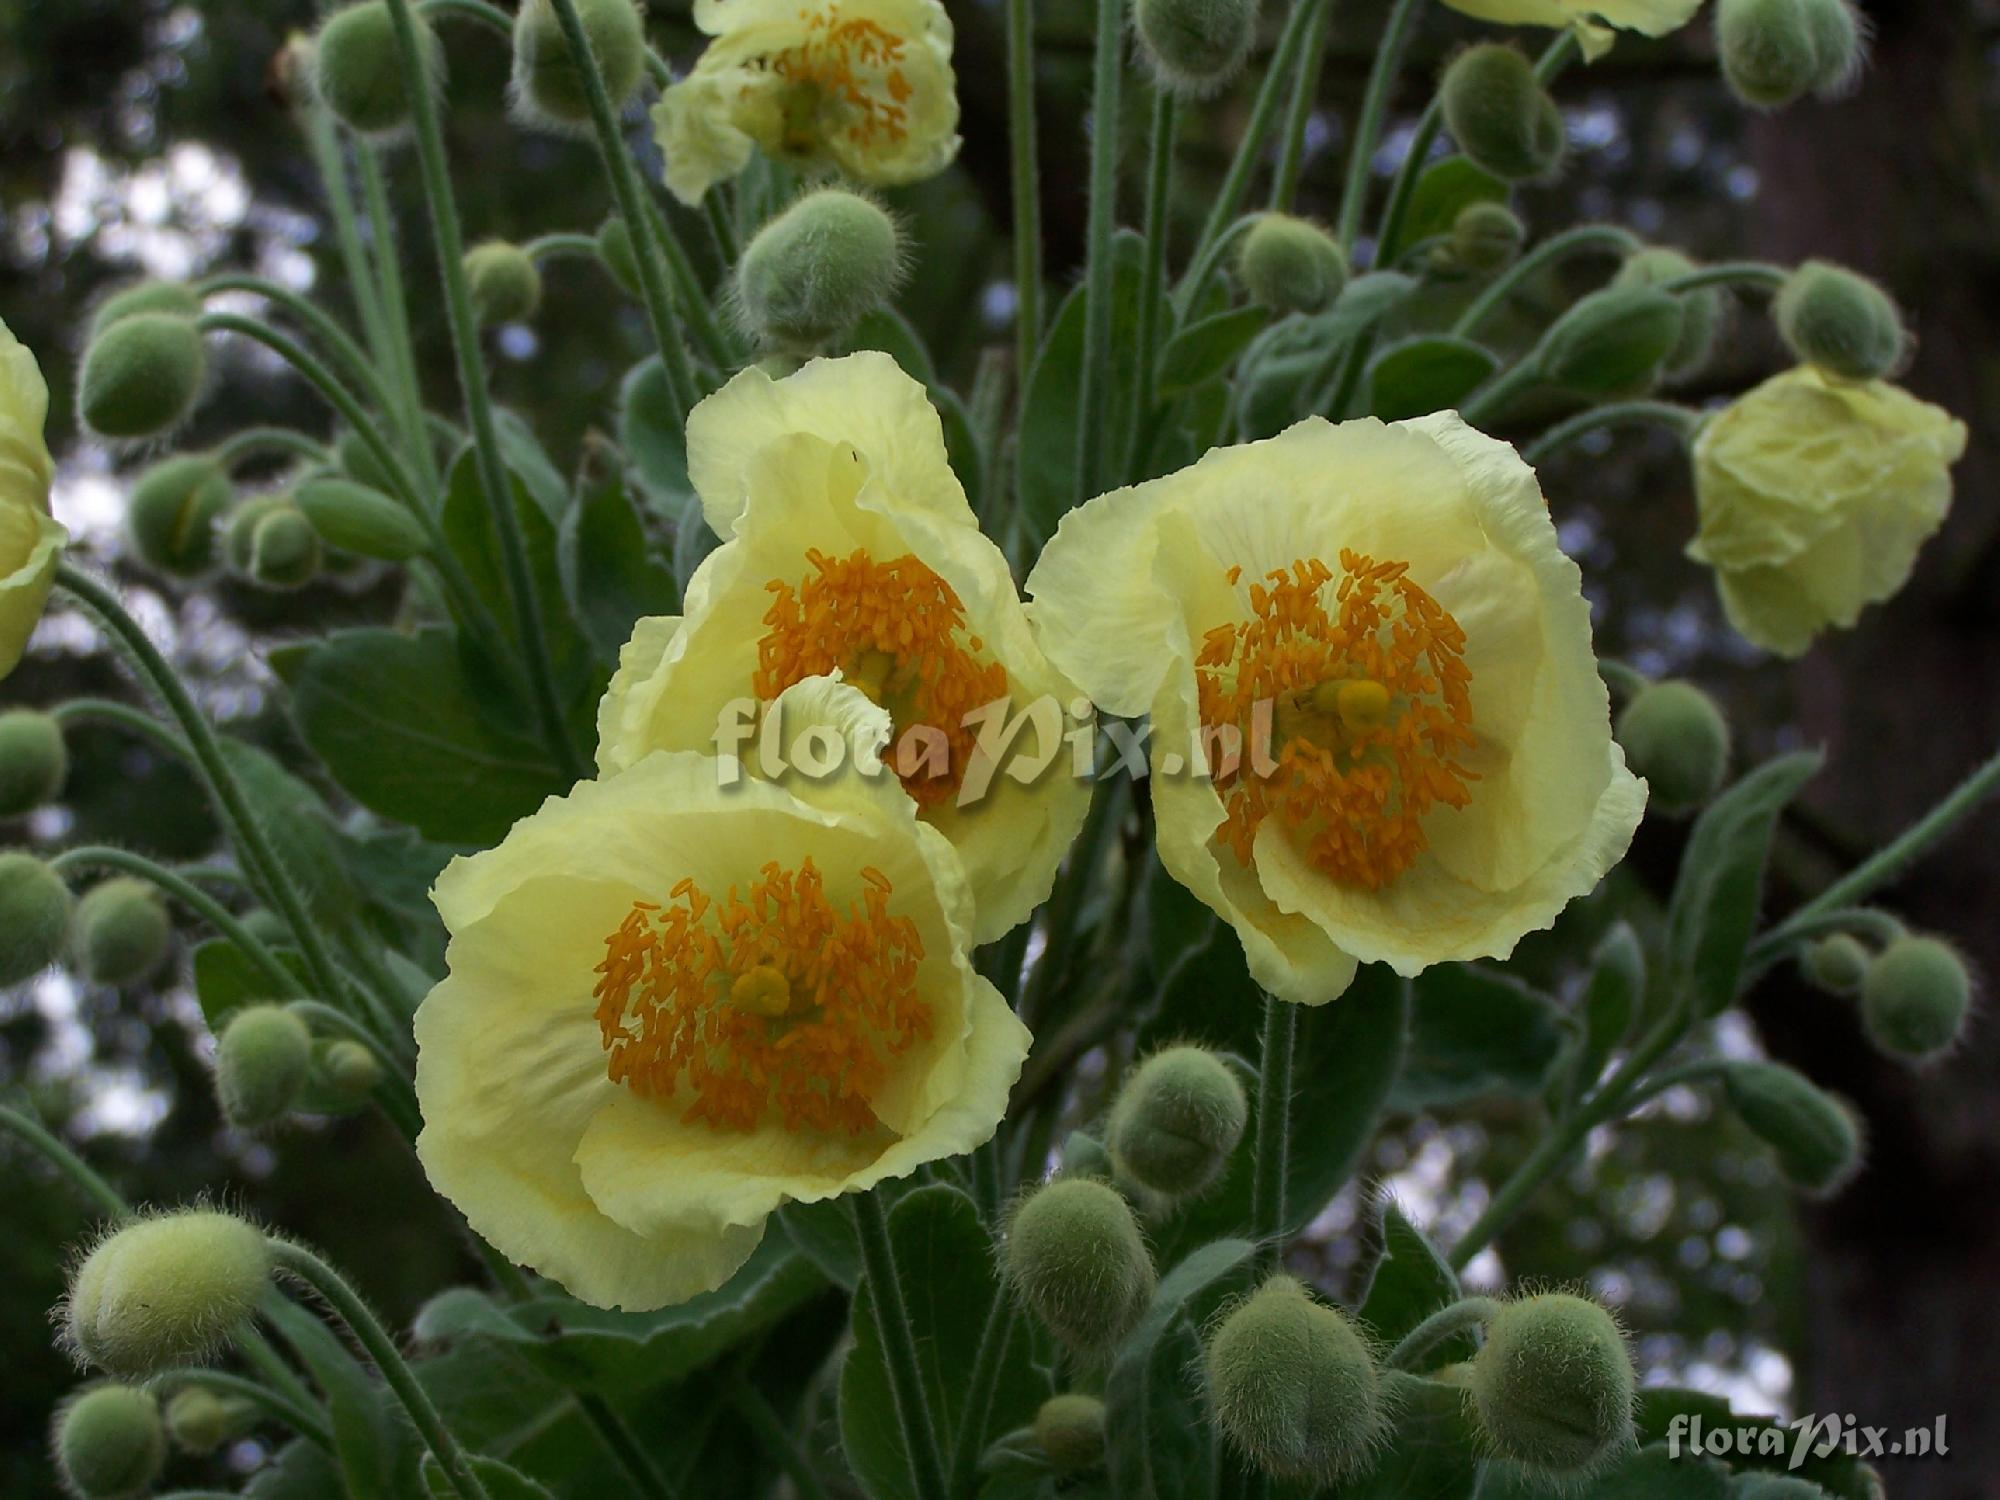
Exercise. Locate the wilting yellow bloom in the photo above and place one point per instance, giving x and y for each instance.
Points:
(30, 542)
(861, 86)
(674, 1005)
(1593, 20)
(1814, 497)
(1378, 732)
(850, 548)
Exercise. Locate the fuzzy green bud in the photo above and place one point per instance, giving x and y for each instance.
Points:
(1836, 964)
(1815, 1136)
(1487, 237)
(165, 1291)
(121, 931)
(1843, 324)
(1070, 1429)
(1294, 1385)
(34, 761)
(548, 86)
(1612, 342)
(1291, 265)
(1499, 113)
(349, 1068)
(1194, 47)
(817, 269)
(358, 68)
(262, 1060)
(1085, 1156)
(503, 282)
(360, 519)
(1076, 1257)
(271, 543)
(615, 249)
(1177, 1119)
(1675, 737)
(109, 1442)
(1552, 1386)
(199, 1421)
(35, 910)
(1701, 309)
(1915, 997)
(141, 375)
(175, 298)
(1775, 51)
(171, 519)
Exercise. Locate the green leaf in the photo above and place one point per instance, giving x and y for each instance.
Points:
(1274, 379)
(501, 1481)
(1432, 372)
(1838, 1473)
(1432, 1452)
(298, 826)
(1443, 192)
(224, 980)
(1409, 1281)
(1207, 348)
(522, 452)
(366, 1438)
(609, 574)
(1475, 1033)
(870, 1433)
(1611, 1002)
(654, 440)
(1713, 912)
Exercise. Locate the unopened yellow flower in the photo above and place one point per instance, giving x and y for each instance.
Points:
(1814, 496)
(674, 1005)
(849, 547)
(1378, 732)
(30, 541)
(1593, 20)
(861, 86)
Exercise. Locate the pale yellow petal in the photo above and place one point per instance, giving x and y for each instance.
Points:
(31, 545)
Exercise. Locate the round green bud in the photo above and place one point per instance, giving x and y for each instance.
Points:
(1816, 1137)
(199, 1421)
(1294, 1385)
(358, 68)
(1194, 47)
(171, 520)
(1487, 237)
(109, 1443)
(1701, 309)
(1499, 113)
(1775, 51)
(817, 269)
(1675, 737)
(283, 550)
(1836, 964)
(349, 1068)
(614, 248)
(357, 518)
(35, 909)
(262, 1060)
(1076, 1257)
(503, 282)
(1613, 342)
(34, 761)
(1085, 1156)
(175, 298)
(1070, 1429)
(1840, 44)
(1291, 265)
(141, 375)
(1843, 324)
(1177, 1119)
(1915, 997)
(548, 86)
(1552, 1386)
(241, 528)
(121, 932)
(165, 1291)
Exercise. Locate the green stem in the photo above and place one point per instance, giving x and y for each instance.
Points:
(899, 1349)
(985, 1381)
(132, 720)
(1305, 90)
(1493, 397)
(1093, 396)
(491, 16)
(1274, 1127)
(1202, 270)
(1702, 1070)
(324, 138)
(315, 320)
(233, 449)
(646, 1476)
(1374, 110)
(1607, 239)
(776, 1438)
(396, 317)
(398, 1096)
(1681, 420)
(1802, 927)
(1468, 1312)
(1099, 824)
(270, 1402)
(554, 246)
(716, 344)
(1754, 273)
(728, 246)
(1389, 239)
(1145, 358)
(1025, 179)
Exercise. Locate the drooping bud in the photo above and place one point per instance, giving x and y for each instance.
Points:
(1291, 265)
(1177, 1119)
(1085, 1156)
(165, 1291)
(1070, 1429)
(1487, 237)
(199, 1421)
(548, 86)
(1076, 1257)
(1499, 113)
(1552, 1386)
(270, 542)
(1701, 309)
(1295, 1386)
(171, 519)
(121, 932)
(615, 249)
(1915, 998)
(348, 1068)
(175, 298)
(817, 269)
(503, 282)
(1776, 51)
(1817, 1138)
(356, 518)
(141, 375)
(1841, 323)
(358, 68)
(34, 761)
(1612, 342)
(35, 909)
(1836, 964)
(109, 1443)
(262, 1060)
(1675, 737)
(1194, 47)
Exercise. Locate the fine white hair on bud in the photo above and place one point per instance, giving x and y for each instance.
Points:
(262, 1061)
(548, 87)
(1075, 1256)
(109, 1442)
(1499, 113)
(1840, 322)
(1552, 1387)
(121, 931)
(1194, 47)
(1817, 1138)
(1674, 735)
(1177, 1119)
(1916, 998)
(1291, 265)
(817, 269)
(141, 376)
(358, 67)
(164, 1290)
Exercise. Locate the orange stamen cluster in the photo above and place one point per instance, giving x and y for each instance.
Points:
(773, 1003)
(1353, 788)
(894, 629)
(856, 63)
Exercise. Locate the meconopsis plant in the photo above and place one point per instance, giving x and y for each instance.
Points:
(893, 909)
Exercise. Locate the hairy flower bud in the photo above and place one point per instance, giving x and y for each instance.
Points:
(1076, 1257)
(35, 910)
(165, 1291)
(34, 761)
(548, 85)
(1836, 964)
(172, 515)
(347, 1068)
(1294, 1385)
(817, 269)
(199, 1421)
(175, 298)
(1552, 1386)
(615, 249)
(109, 1444)
(1915, 997)
(1194, 47)
(1499, 113)
(360, 519)
(358, 68)
(1843, 324)
(1775, 51)
(1070, 1429)
(503, 282)
(271, 543)
(1291, 265)
(1675, 737)
(1701, 309)
(121, 931)
(1816, 1137)
(1487, 237)
(262, 1060)
(1177, 1119)
(1612, 342)
(141, 375)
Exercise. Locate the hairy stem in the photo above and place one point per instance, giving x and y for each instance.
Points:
(899, 1350)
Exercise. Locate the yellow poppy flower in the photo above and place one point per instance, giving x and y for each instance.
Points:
(1814, 496)
(849, 546)
(674, 1005)
(30, 542)
(864, 87)
(1378, 732)
(1593, 20)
